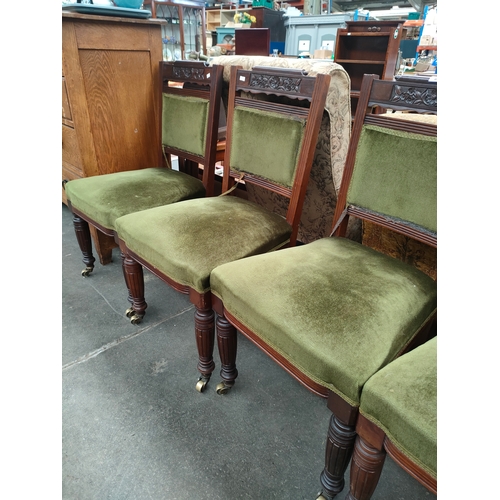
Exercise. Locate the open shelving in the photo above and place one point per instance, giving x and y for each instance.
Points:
(368, 47)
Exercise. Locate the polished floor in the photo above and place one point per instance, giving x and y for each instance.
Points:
(135, 428)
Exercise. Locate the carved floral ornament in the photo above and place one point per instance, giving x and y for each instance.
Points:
(414, 95)
(194, 73)
(288, 84)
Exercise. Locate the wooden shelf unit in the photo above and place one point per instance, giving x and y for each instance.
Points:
(217, 18)
(368, 47)
(184, 29)
(265, 18)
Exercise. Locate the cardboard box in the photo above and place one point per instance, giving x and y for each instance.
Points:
(323, 54)
(232, 24)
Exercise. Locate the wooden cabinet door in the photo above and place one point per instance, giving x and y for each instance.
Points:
(111, 74)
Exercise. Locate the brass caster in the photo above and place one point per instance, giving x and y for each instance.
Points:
(201, 384)
(135, 319)
(222, 388)
(321, 497)
(86, 272)
(129, 312)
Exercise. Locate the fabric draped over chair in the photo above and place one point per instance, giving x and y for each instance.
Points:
(331, 147)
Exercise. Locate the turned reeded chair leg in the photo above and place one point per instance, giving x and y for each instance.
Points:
(227, 344)
(205, 337)
(82, 232)
(339, 448)
(134, 278)
(366, 467)
(130, 310)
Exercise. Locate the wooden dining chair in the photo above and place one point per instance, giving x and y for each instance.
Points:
(398, 417)
(333, 312)
(268, 143)
(188, 127)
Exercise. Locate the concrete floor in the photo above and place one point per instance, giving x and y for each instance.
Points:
(135, 428)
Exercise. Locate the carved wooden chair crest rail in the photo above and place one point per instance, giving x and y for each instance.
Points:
(333, 312)
(190, 96)
(268, 143)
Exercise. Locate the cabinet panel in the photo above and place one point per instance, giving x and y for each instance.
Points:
(122, 119)
(110, 95)
(310, 33)
(70, 149)
(356, 72)
(364, 47)
(111, 36)
(66, 108)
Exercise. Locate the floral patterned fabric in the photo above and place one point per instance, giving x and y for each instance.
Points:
(331, 149)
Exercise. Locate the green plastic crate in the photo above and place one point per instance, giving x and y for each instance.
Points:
(263, 3)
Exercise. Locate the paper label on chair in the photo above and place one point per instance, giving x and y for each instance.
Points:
(242, 78)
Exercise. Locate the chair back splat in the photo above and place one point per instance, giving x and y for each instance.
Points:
(397, 158)
(333, 312)
(272, 144)
(190, 95)
(191, 102)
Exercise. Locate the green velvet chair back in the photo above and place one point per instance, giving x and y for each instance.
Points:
(191, 105)
(271, 142)
(391, 169)
(276, 156)
(396, 162)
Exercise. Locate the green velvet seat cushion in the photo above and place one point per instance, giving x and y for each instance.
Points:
(401, 399)
(186, 240)
(104, 198)
(336, 310)
(408, 193)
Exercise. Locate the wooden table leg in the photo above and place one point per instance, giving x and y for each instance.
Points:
(104, 244)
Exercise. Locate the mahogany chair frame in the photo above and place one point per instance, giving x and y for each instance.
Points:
(186, 78)
(278, 82)
(375, 93)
